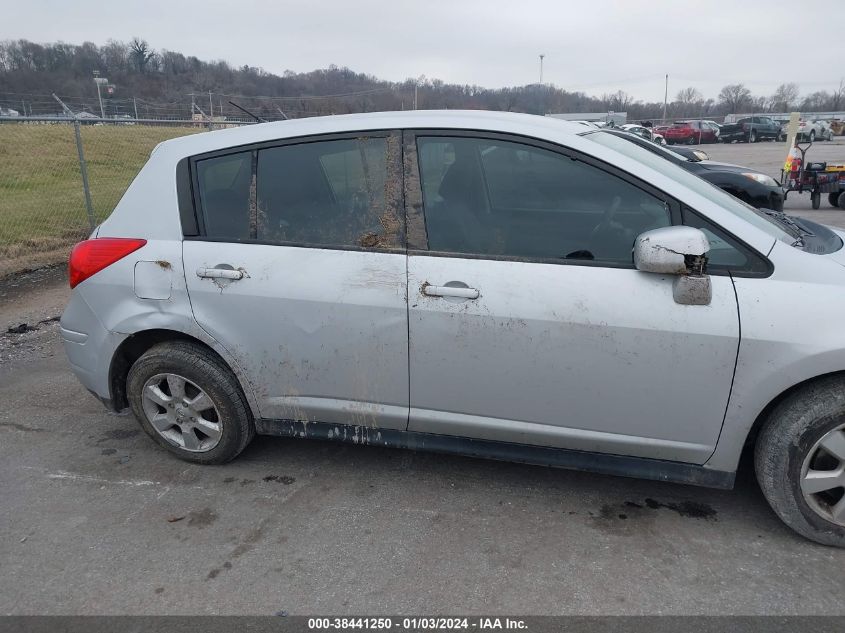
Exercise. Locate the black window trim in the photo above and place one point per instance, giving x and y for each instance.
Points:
(187, 184)
(411, 134)
(738, 243)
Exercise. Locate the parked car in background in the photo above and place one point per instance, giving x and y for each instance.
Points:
(480, 283)
(646, 132)
(814, 130)
(750, 129)
(692, 153)
(588, 124)
(691, 133)
(749, 185)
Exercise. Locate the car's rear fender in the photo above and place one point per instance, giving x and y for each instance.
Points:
(145, 291)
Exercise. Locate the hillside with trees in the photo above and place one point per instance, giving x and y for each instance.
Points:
(164, 84)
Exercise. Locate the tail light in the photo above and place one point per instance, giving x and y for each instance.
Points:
(91, 256)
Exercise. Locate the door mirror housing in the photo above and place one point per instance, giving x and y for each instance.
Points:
(673, 250)
(681, 251)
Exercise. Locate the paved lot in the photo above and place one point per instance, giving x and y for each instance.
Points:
(95, 519)
(769, 157)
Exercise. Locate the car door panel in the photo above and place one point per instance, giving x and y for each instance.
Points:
(321, 334)
(580, 357)
(537, 351)
(312, 302)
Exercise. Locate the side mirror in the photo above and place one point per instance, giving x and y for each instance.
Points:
(681, 251)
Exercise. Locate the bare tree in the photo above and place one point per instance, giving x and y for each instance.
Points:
(734, 96)
(817, 101)
(689, 96)
(785, 97)
(837, 100)
(140, 54)
(618, 101)
(687, 101)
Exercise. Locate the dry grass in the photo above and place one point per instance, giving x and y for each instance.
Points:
(42, 205)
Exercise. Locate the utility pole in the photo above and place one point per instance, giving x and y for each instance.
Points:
(135, 103)
(210, 105)
(416, 85)
(542, 55)
(665, 97)
(100, 81)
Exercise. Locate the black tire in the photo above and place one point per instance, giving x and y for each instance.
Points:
(752, 136)
(816, 200)
(841, 201)
(203, 368)
(833, 199)
(691, 140)
(789, 435)
(812, 136)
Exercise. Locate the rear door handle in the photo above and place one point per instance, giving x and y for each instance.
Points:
(450, 291)
(220, 273)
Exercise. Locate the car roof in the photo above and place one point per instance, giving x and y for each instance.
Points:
(506, 122)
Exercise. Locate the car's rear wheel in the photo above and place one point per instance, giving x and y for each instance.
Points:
(691, 140)
(833, 198)
(800, 461)
(812, 136)
(841, 201)
(190, 403)
(752, 137)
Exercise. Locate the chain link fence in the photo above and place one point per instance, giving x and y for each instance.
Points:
(59, 178)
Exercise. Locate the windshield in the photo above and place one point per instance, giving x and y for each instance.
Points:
(726, 201)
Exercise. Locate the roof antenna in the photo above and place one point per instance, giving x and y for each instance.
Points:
(242, 109)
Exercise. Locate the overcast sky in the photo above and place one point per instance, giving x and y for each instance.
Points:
(594, 46)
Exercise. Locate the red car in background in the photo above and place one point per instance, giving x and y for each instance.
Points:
(691, 132)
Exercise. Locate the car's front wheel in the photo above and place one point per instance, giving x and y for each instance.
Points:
(800, 461)
(190, 403)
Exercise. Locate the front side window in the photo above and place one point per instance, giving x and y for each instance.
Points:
(726, 255)
(500, 198)
(327, 193)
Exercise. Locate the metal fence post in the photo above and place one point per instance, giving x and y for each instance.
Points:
(83, 167)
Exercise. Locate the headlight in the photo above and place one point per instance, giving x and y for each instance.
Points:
(763, 179)
(701, 155)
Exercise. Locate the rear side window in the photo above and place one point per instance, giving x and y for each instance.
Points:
(340, 193)
(224, 184)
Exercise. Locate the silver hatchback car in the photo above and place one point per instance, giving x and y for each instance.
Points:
(498, 285)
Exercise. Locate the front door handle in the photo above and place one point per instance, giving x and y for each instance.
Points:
(461, 292)
(220, 273)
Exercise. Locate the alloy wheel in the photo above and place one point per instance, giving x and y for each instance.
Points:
(182, 413)
(823, 476)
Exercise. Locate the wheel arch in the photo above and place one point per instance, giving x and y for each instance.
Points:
(763, 416)
(136, 344)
